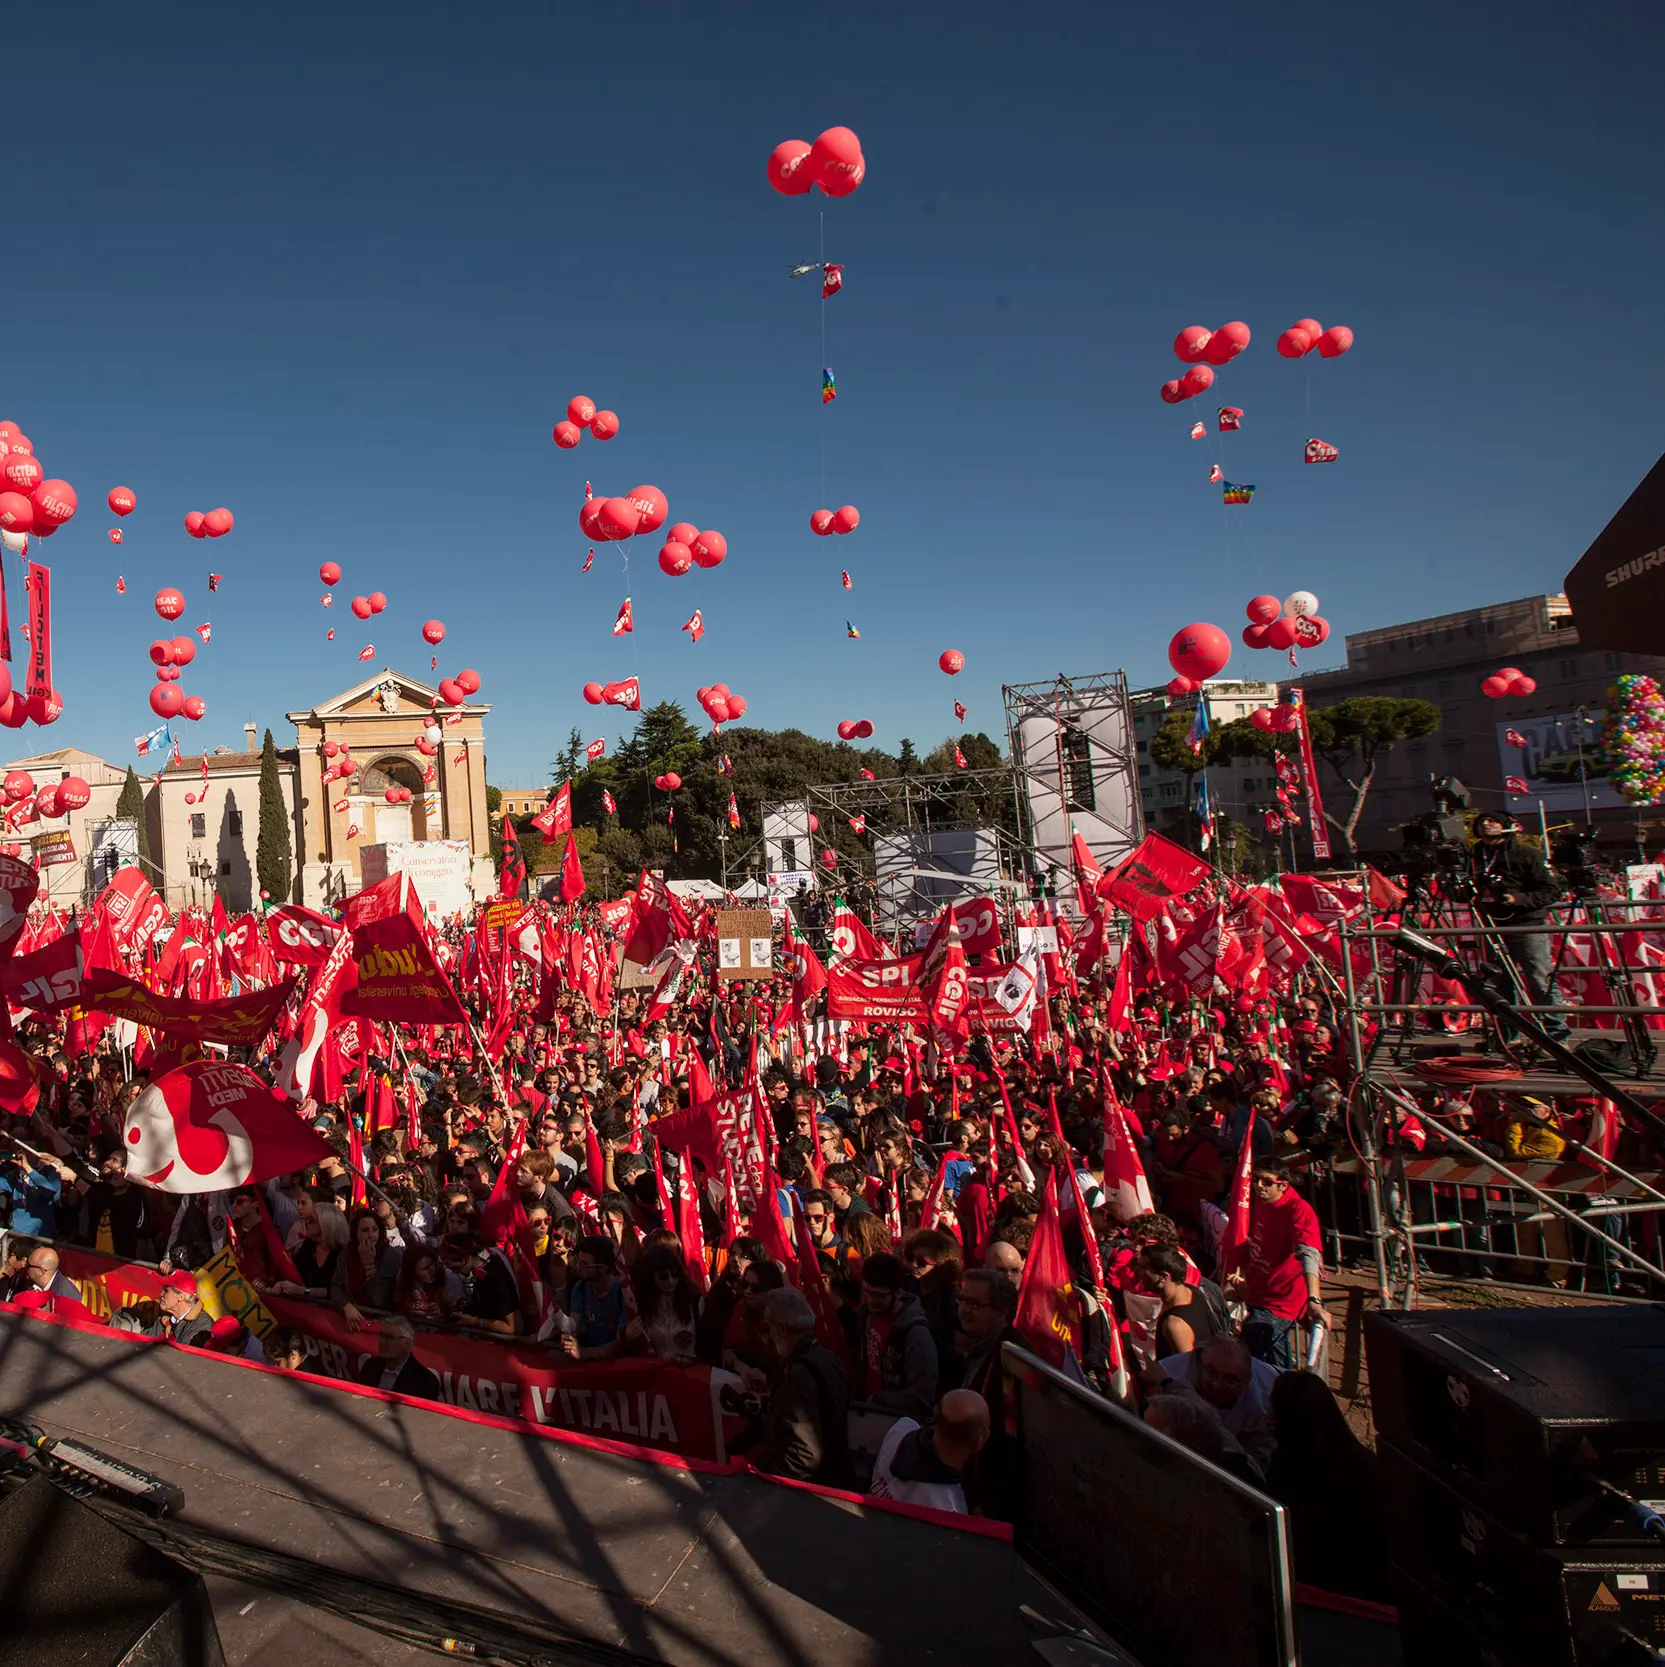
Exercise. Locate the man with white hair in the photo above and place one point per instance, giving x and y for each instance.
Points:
(393, 1367)
(805, 1423)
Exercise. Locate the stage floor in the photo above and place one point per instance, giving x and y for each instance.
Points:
(664, 1563)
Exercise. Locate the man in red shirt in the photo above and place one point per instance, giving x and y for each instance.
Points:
(1280, 1279)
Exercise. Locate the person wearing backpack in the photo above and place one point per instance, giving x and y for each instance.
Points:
(1189, 1317)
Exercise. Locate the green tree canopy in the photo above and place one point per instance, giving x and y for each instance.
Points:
(274, 861)
(1353, 737)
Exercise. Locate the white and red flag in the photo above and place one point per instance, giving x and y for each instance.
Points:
(556, 817)
(733, 813)
(368, 652)
(622, 623)
(607, 803)
(205, 630)
(1126, 1189)
(695, 626)
(595, 749)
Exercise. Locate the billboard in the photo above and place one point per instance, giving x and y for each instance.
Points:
(1617, 590)
(1551, 761)
(439, 871)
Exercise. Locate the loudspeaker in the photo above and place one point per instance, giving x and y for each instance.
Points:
(1551, 1607)
(1529, 1412)
(75, 1589)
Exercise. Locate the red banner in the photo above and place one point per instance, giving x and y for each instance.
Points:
(888, 991)
(1151, 876)
(978, 920)
(1309, 768)
(238, 1021)
(18, 884)
(39, 584)
(299, 936)
(398, 978)
(133, 910)
(46, 979)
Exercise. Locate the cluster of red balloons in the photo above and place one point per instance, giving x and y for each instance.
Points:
(1276, 720)
(834, 162)
(1202, 349)
(1196, 653)
(427, 743)
(1292, 623)
(952, 661)
(364, 606)
(455, 690)
(669, 782)
(627, 694)
(398, 795)
(215, 524)
(720, 706)
(825, 521)
(854, 729)
(60, 798)
(1511, 680)
(686, 546)
(341, 765)
(29, 502)
(18, 709)
(170, 656)
(582, 414)
(609, 520)
(1307, 333)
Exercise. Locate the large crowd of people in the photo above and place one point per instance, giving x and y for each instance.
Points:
(863, 1323)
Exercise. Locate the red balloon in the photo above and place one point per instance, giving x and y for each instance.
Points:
(22, 473)
(1172, 393)
(170, 673)
(74, 793)
(377, 601)
(736, 707)
(1292, 344)
(162, 653)
(1524, 686)
(829, 857)
(619, 517)
(1310, 630)
(1510, 673)
(1199, 651)
(468, 681)
(659, 782)
(184, 651)
(1261, 718)
(566, 435)
(331, 748)
(1494, 688)
(675, 559)
(166, 701)
(21, 443)
(847, 730)
(592, 693)
(716, 709)
(426, 748)
(218, 522)
(194, 707)
(589, 518)
(361, 607)
(194, 524)
(821, 522)
(787, 172)
(452, 692)
(19, 784)
(683, 532)
(1281, 634)
(672, 780)
(649, 503)
(14, 710)
(330, 573)
(392, 795)
(1311, 325)
(1335, 341)
(709, 549)
(433, 632)
(1198, 379)
(1180, 685)
(1254, 636)
(1286, 718)
(46, 802)
(1262, 610)
(604, 425)
(1226, 343)
(864, 729)
(835, 162)
(847, 519)
(580, 411)
(17, 514)
(54, 502)
(1191, 343)
(170, 604)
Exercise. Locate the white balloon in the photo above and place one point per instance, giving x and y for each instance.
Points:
(18, 542)
(1299, 602)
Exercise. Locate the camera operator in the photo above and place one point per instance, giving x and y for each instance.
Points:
(1514, 887)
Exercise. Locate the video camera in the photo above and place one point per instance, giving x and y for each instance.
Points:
(1436, 843)
(1572, 854)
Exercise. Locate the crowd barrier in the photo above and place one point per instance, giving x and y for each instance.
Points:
(1468, 1221)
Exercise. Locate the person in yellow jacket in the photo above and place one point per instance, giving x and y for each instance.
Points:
(1532, 1134)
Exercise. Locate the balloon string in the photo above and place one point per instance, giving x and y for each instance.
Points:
(823, 253)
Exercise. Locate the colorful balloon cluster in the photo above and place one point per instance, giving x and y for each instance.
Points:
(1510, 680)
(720, 706)
(1202, 349)
(582, 414)
(455, 690)
(1634, 738)
(826, 521)
(1196, 653)
(427, 742)
(29, 502)
(855, 729)
(1307, 333)
(686, 546)
(834, 162)
(1293, 623)
(170, 656)
(215, 524)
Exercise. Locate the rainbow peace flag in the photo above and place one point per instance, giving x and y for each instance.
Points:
(1235, 494)
(829, 387)
(851, 631)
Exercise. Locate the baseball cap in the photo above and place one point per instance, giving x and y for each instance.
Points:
(180, 1281)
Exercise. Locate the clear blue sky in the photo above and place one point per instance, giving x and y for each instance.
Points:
(340, 268)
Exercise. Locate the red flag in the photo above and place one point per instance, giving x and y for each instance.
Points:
(38, 583)
(607, 803)
(1234, 1247)
(368, 652)
(959, 759)
(690, 1229)
(1046, 1312)
(1151, 876)
(695, 626)
(357, 1197)
(512, 876)
(596, 748)
(300, 936)
(1126, 1190)
(1087, 874)
(808, 975)
(213, 1125)
(659, 920)
(622, 624)
(398, 978)
(733, 813)
(279, 1263)
(572, 872)
(959, 710)
(238, 1021)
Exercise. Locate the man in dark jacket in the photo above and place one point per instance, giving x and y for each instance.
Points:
(1514, 887)
(807, 1415)
(894, 1352)
(393, 1367)
(988, 1307)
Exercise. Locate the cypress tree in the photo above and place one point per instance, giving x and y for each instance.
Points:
(274, 863)
(131, 804)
